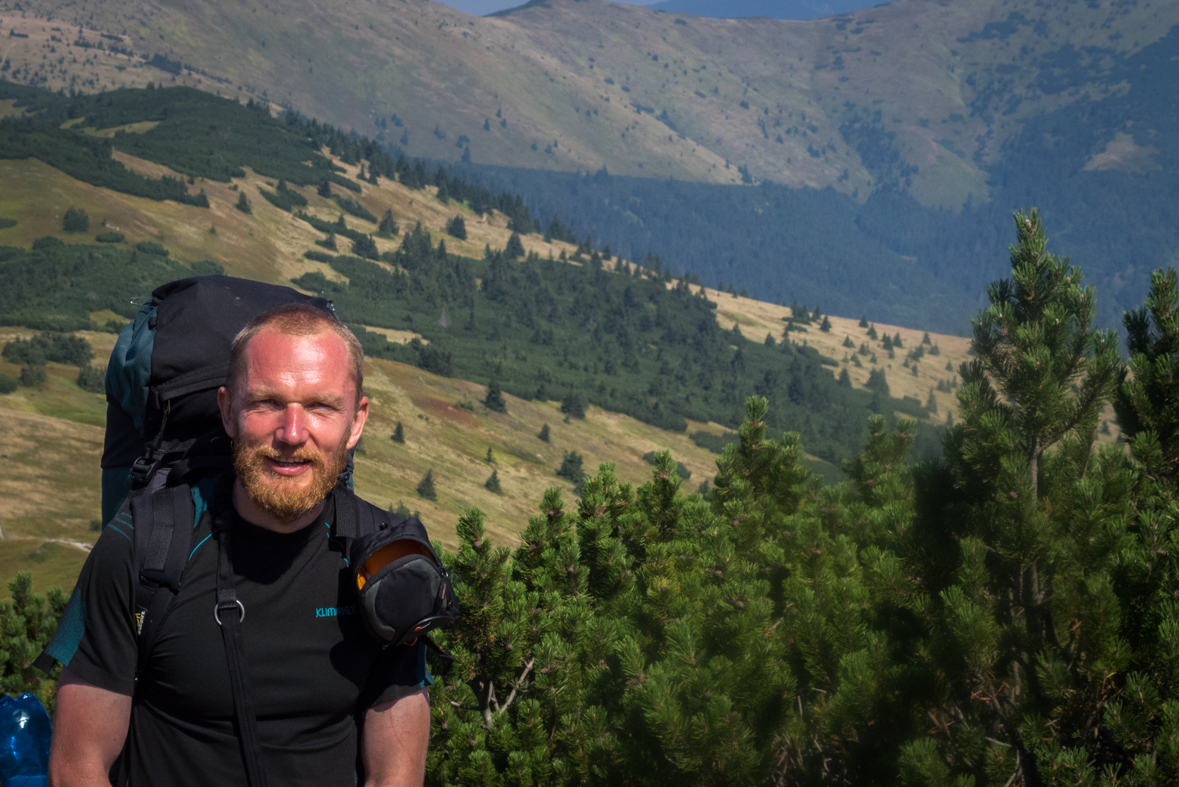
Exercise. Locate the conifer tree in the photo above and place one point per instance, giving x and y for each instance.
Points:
(495, 398)
(388, 225)
(1030, 615)
(325, 189)
(515, 247)
(457, 228)
(1036, 345)
(492, 483)
(364, 246)
(398, 435)
(864, 321)
(896, 340)
(544, 433)
(825, 327)
(426, 486)
(872, 333)
(490, 458)
(1147, 404)
(28, 622)
(243, 203)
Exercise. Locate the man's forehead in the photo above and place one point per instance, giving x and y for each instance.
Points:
(273, 355)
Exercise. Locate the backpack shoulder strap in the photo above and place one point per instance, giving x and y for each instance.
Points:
(163, 529)
(356, 517)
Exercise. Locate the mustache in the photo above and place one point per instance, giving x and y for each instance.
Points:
(300, 454)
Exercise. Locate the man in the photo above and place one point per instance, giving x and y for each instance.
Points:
(325, 695)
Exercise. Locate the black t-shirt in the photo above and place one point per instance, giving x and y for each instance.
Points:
(313, 668)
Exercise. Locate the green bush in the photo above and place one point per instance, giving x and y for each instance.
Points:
(110, 237)
(33, 376)
(75, 220)
(92, 380)
(47, 346)
(151, 247)
(8, 384)
(457, 228)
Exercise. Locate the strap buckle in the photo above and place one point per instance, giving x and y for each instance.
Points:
(229, 604)
(142, 470)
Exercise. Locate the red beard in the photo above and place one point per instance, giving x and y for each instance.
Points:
(284, 497)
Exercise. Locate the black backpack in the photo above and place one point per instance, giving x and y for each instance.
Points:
(162, 380)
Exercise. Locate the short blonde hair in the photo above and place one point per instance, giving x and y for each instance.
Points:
(296, 319)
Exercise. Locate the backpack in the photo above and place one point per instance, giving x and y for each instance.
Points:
(163, 376)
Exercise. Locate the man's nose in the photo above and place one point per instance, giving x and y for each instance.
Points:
(293, 429)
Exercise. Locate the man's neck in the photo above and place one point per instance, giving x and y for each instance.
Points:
(250, 511)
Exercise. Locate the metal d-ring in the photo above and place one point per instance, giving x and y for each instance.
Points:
(240, 605)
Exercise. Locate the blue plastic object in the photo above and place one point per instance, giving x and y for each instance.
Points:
(25, 731)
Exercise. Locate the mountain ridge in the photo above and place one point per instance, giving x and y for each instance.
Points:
(859, 109)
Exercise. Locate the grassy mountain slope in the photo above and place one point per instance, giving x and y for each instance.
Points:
(53, 433)
(917, 93)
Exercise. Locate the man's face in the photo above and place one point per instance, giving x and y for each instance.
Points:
(293, 417)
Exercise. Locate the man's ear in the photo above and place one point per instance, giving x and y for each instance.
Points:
(358, 422)
(225, 404)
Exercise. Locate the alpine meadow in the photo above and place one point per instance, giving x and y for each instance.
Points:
(792, 402)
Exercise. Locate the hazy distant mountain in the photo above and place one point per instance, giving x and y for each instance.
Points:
(773, 9)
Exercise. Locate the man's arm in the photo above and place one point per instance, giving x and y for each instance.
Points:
(89, 729)
(396, 735)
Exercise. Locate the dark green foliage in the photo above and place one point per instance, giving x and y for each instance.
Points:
(28, 622)
(243, 203)
(571, 469)
(877, 382)
(46, 346)
(150, 247)
(33, 376)
(573, 405)
(1037, 349)
(492, 483)
(925, 338)
(681, 470)
(47, 243)
(92, 380)
(457, 228)
(872, 333)
(515, 247)
(713, 442)
(75, 220)
(8, 384)
(354, 208)
(544, 433)
(324, 189)
(388, 226)
(1147, 404)
(845, 379)
(558, 231)
(864, 321)
(896, 341)
(847, 342)
(825, 327)
(887, 343)
(398, 435)
(56, 287)
(426, 486)
(653, 352)
(110, 237)
(770, 340)
(6, 223)
(365, 246)
(284, 197)
(495, 398)
(338, 227)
